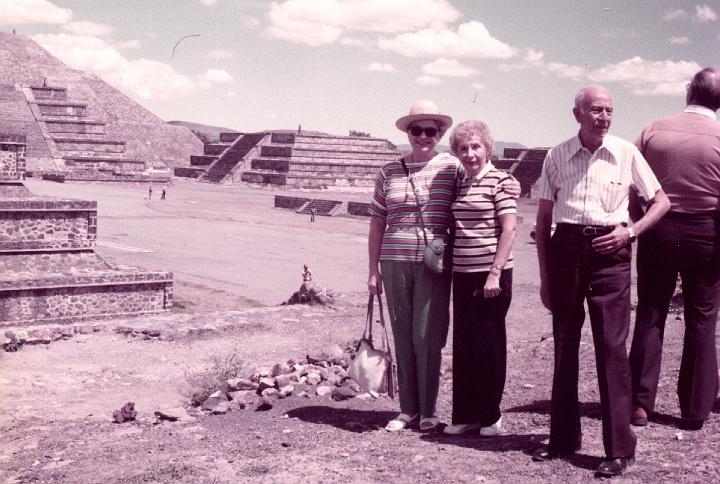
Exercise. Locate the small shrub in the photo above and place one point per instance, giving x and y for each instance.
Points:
(204, 383)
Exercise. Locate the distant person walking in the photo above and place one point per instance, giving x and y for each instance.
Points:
(149, 192)
(683, 151)
(313, 212)
(162, 194)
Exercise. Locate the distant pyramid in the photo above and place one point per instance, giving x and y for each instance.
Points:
(77, 125)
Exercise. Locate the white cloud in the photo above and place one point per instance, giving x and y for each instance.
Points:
(129, 44)
(428, 81)
(536, 60)
(208, 3)
(88, 28)
(648, 78)
(380, 67)
(219, 54)
(143, 78)
(17, 12)
(471, 40)
(679, 40)
(478, 86)
(678, 14)
(705, 14)
(448, 68)
(354, 41)
(319, 22)
(250, 22)
(214, 76)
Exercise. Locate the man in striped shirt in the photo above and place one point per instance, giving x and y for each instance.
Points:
(585, 186)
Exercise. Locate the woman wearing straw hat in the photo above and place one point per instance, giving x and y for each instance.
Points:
(411, 193)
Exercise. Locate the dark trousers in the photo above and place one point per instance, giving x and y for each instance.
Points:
(578, 274)
(479, 348)
(687, 245)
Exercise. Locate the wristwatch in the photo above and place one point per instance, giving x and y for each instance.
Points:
(631, 235)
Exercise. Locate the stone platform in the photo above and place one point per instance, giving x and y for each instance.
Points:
(49, 271)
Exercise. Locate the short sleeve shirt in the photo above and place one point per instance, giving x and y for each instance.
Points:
(395, 202)
(479, 204)
(593, 188)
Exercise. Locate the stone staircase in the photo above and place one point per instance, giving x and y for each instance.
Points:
(229, 158)
(16, 117)
(80, 141)
(49, 271)
(327, 208)
(319, 161)
(524, 164)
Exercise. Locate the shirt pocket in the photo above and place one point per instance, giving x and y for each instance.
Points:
(614, 190)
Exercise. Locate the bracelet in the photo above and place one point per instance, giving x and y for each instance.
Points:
(495, 266)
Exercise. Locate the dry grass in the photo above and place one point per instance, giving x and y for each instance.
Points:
(203, 383)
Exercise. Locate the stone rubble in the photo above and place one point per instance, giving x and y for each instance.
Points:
(126, 413)
(323, 375)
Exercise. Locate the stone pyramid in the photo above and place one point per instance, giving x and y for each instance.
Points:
(78, 126)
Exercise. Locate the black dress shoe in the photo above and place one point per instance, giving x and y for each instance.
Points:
(614, 467)
(691, 424)
(545, 453)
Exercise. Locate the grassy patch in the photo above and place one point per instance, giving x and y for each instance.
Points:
(203, 383)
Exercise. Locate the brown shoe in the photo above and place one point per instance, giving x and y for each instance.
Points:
(639, 417)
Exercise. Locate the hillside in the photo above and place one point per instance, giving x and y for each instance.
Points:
(211, 132)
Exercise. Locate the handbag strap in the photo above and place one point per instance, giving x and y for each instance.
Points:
(417, 199)
(367, 333)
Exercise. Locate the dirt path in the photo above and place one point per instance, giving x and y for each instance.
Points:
(56, 400)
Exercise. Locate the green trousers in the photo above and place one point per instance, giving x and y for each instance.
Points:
(418, 303)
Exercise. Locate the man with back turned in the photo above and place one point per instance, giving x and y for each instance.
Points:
(684, 153)
(585, 187)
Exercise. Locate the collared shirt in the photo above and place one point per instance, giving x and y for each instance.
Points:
(694, 108)
(593, 188)
(396, 203)
(476, 210)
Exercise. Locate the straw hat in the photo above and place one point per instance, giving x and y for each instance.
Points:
(420, 110)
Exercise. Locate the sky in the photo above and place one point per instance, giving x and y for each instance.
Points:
(340, 65)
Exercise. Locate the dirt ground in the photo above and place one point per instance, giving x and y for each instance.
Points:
(56, 400)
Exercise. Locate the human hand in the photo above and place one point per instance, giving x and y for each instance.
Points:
(375, 282)
(607, 244)
(511, 187)
(492, 285)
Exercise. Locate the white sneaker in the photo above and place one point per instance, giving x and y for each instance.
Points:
(491, 430)
(460, 429)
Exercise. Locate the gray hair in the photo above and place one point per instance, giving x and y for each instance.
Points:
(468, 129)
(582, 93)
(704, 89)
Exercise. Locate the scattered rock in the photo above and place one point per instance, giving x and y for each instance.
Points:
(280, 369)
(283, 380)
(417, 458)
(216, 403)
(264, 404)
(679, 436)
(269, 392)
(235, 384)
(341, 393)
(303, 394)
(166, 416)
(265, 383)
(528, 386)
(323, 390)
(313, 378)
(260, 373)
(286, 391)
(126, 413)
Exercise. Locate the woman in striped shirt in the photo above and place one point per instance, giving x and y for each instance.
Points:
(418, 299)
(485, 225)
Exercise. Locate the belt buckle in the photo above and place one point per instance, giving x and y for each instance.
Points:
(589, 231)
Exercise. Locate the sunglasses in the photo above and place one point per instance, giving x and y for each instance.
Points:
(417, 131)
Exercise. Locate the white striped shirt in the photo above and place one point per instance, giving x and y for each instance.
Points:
(477, 209)
(593, 188)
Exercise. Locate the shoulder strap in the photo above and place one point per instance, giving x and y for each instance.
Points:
(417, 199)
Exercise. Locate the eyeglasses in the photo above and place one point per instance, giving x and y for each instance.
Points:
(417, 131)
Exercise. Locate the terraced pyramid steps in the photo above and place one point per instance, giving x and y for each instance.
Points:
(71, 119)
